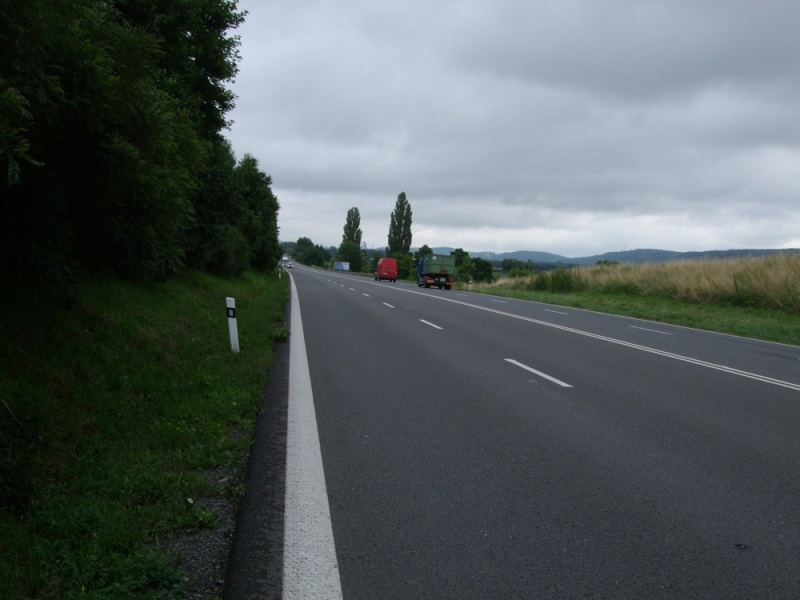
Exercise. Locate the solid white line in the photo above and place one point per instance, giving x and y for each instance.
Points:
(310, 569)
(650, 330)
(389, 305)
(429, 323)
(702, 363)
(539, 373)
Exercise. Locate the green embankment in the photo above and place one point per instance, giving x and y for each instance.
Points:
(111, 413)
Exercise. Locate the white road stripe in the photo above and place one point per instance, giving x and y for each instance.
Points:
(702, 363)
(539, 373)
(387, 304)
(650, 330)
(558, 312)
(429, 323)
(310, 569)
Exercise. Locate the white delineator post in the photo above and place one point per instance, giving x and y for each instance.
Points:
(233, 330)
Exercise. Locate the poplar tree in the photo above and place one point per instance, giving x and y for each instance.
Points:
(352, 227)
(350, 248)
(400, 227)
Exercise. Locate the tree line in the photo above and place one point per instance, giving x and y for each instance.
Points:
(112, 153)
(360, 259)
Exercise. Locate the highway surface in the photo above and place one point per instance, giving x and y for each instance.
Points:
(478, 447)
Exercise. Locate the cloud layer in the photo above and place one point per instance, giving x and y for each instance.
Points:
(568, 126)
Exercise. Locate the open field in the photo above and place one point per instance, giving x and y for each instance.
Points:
(752, 297)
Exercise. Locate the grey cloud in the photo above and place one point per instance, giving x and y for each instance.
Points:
(573, 124)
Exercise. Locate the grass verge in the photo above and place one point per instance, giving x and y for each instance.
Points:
(758, 323)
(111, 412)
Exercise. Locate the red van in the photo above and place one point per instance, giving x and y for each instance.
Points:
(387, 269)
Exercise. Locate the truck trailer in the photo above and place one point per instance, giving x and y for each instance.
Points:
(436, 270)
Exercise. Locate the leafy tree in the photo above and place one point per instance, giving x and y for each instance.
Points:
(258, 219)
(305, 252)
(93, 106)
(461, 255)
(514, 264)
(400, 227)
(198, 56)
(235, 196)
(424, 250)
(352, 227)
(350, 252)
(405, 265)
(109, 117)
(303, 244)
(465, 271)
(217, 207)
(482, 270)
(315, 256)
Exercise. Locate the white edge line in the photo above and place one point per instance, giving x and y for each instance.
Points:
(702, 363)
(310, 568)
(539, 373)
(650, 330)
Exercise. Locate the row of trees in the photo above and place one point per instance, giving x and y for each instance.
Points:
(399, 247)
(111, 148)
(399, 239)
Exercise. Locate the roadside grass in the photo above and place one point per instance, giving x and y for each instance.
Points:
(751, 297)
(112, 414)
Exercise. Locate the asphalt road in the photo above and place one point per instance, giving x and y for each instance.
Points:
(475, 447)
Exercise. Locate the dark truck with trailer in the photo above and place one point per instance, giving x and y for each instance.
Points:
(436, 270)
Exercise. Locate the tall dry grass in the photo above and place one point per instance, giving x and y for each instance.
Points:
(764, 282)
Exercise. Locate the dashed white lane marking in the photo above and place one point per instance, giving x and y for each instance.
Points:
(387, 304)
(429, 323)
(539, 373)
(310, 569)
(680, 357)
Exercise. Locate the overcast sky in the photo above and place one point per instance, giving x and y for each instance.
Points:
(568, 126)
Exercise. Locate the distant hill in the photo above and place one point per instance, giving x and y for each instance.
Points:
(640, 256)
(523, 255)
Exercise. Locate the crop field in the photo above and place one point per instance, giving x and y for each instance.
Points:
(753, 297)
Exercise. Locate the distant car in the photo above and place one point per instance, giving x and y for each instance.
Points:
(289, 265)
